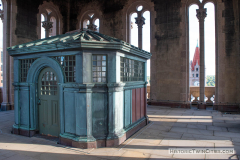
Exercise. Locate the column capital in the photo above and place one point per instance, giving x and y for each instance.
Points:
(1, 15)
(201, 13)
(140, 21)
(47, 25)
(92, 27)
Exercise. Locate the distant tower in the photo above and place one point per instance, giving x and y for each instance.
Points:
(194, 68)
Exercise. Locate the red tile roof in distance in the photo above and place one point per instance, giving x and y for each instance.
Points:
(196, 58)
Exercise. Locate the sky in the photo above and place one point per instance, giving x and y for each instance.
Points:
(146, 35)
(209, 36)
(193, 38)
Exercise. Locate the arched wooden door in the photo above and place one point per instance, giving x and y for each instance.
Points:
(48, 103)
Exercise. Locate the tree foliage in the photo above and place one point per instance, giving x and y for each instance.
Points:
(210, 81)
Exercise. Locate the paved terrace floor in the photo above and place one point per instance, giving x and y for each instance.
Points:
(169, 128)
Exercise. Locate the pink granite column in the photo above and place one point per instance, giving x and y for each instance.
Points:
(201, 15)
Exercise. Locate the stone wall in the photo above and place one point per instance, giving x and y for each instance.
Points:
(167, 71)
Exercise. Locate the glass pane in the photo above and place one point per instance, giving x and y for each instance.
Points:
(103, 68)
(99, 58)
(94, 63)
(104, 58)
(98, 68)
(94, 57)
(98, 63)
(103, 63)
(103, 74)
(99, 74)
(103, 79)
(99, 79)
(94, 69)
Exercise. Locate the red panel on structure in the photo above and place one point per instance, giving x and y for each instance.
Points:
(133, 105)
(138, 103)
(142, 102)
(145, 101)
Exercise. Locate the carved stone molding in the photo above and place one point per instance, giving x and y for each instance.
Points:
(47, 25)
(140, 21)
(201, 13)
(92, 27)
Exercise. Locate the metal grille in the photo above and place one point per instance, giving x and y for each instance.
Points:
(99, 68)
(49, 84)
(25, 64)
(131, 70)
(68, 64)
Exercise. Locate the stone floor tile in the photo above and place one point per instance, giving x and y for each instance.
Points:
(216, 128)
(134, 155)
(226, 134)
(159, 157)
(197, 126)
(236, 130)
(220, 156)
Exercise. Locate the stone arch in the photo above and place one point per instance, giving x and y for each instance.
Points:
(32, 79)
(41, 63)
(129, 9)
(49, 10)
(85, 15)
(188, 3)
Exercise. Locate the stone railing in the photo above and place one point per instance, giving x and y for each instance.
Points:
(209, 94)
(194, 93)
(148, 91)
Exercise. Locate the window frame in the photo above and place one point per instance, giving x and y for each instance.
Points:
(101, 69)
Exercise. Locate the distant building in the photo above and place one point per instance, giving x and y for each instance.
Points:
(194, 68)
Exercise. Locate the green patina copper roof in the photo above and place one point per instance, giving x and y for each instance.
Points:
(85, 39)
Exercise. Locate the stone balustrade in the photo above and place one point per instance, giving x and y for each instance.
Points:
(209, 95)
(148, 91)
(194, 94)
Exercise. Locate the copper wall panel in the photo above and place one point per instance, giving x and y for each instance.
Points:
(142, 102)
(133, 105)
(138, 103)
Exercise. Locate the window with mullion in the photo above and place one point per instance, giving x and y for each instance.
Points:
(25, 65)
(99, 68)
(68, 64)
(131, 70)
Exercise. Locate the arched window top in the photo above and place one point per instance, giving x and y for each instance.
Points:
(51, 13)
(200, 3)
(138, 7)
(90, 19)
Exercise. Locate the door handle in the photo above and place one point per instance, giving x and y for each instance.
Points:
(39, 102)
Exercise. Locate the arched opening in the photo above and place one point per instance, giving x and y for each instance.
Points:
(1, 46)
(53, 30)
(42, 29)
(146, 39)
(85, 23)
(133, 30)
(194, 52)
(97, 23)
(209, 27)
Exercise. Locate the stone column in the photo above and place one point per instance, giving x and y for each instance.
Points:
(6, 105)
(140, 21)
(92, 27)
(201, 15)
(47, 25)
